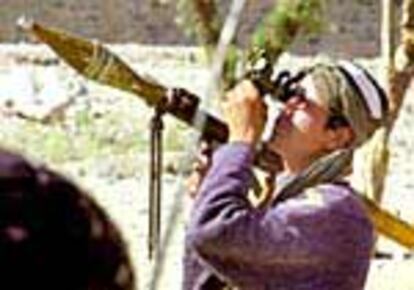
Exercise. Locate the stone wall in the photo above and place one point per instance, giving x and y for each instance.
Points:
(353, 28)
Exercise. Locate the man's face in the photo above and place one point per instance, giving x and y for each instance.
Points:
(301, 130)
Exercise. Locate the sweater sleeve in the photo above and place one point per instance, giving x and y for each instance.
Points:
(233, 237)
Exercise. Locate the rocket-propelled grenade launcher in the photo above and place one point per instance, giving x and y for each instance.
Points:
(92, 60)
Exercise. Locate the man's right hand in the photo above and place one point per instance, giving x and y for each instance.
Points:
(245, 113)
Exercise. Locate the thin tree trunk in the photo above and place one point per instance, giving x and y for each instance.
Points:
(200, 18)
(387, 34)
(210, 22)
(399, 72)
(401, 75)
(372, 160)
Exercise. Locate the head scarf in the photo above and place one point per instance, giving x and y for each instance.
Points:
(349, 91)
(55, 236)
(352, 92)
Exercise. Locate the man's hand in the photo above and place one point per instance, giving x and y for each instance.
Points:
(199, 169)
(245, 113)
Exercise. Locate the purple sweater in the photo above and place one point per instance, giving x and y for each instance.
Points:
(318, 240)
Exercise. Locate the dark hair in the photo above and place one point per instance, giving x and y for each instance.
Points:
(53, 235)
(336, 121)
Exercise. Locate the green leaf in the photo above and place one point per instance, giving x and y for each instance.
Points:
(285, 22)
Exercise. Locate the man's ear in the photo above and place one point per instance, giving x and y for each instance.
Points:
(339, 138)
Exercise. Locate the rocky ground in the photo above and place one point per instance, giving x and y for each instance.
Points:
(99, 137)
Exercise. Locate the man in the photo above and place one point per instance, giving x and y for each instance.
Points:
(315, 233)
(54, 236)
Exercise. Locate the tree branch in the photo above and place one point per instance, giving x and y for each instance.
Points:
(283, 24)
(401, 76)
(209, 22)
(200, 18)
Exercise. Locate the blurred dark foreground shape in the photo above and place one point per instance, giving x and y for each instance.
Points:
(53, 235)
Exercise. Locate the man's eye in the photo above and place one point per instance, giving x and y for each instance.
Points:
(299, 93)
(302, 98)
